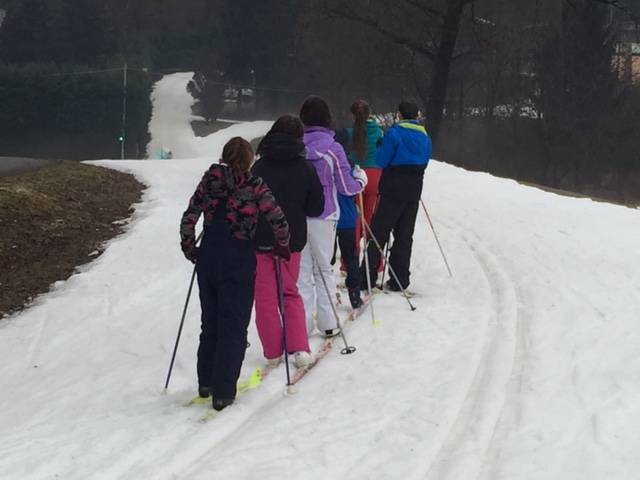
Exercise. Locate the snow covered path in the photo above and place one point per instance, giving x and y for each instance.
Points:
(169, 124)
(523, 366)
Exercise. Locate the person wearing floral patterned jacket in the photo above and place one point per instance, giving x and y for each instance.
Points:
(231, 199)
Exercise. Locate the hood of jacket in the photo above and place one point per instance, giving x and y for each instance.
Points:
(282, 147)
(414, 138)
(222, 182)
(319, 141)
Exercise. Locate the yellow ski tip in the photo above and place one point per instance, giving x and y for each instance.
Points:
(198, 401)
(256, 378)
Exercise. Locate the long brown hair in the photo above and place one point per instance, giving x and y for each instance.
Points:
(238, 155)
(361, 112)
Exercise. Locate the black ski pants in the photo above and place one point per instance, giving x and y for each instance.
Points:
(226, 270)
(347, 244)
(395, 215)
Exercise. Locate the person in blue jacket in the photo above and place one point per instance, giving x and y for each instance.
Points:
(346, 234)
(403, 157)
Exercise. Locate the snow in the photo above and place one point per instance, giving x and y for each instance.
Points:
(171, 107)
(524, 365)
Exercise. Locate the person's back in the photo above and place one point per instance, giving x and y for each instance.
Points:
(330, 161)
(374, 138)
(347, 230)
(365, 137)
(231, 200)
(403, 156)
(294, 183)
(331, 164)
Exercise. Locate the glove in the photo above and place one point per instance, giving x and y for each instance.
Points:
(360, 175)
(191, 254)
(282, 251)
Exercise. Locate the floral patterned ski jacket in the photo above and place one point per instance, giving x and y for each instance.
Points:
(245, 197)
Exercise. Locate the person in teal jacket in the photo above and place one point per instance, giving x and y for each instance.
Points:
(365, 136)
(403, 158)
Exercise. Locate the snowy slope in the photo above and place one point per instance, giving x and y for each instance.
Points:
(523, 366)
(170, 123)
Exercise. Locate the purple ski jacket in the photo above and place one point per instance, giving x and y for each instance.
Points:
(334, 171)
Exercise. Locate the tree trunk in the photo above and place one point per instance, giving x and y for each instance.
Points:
(442, 65)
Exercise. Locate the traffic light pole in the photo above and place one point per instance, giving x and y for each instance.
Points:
(124, 111)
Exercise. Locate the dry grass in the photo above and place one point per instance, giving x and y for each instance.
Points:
(51, 221)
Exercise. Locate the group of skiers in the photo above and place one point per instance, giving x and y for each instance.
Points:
(271, 227)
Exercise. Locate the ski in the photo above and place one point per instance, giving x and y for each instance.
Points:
(324, 350)
(254, 381)
(356, 312)
(327, 346)
(210, 415)
(376, 289)
(409, 293)
(243, 387)
(198, 401)
(261, 373)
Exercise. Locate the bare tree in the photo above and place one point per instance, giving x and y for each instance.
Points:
(426, 28)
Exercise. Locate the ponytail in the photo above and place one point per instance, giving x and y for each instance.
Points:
(361, 112)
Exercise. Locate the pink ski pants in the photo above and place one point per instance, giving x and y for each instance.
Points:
(268, 320)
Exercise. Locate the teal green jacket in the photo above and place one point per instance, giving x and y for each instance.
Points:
(374, 139)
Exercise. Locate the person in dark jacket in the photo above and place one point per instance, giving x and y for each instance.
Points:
(230, 198)
(403, 156)
(295, 184)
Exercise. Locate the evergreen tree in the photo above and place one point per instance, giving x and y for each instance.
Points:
(23, 31)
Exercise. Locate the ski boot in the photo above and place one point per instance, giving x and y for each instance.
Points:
(355, 299)
(221, 403)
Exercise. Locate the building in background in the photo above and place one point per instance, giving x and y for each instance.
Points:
(627, 58)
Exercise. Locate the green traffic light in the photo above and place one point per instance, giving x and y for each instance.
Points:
(121, 138)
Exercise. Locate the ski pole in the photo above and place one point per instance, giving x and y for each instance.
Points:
(386, 249)
(391, 270)
(184, 313)
(347, 348)
(366, 261)
(284, 318)
(424, 207)
(386, 263)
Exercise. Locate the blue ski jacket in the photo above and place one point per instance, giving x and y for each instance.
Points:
(348, 212)
(406, 144)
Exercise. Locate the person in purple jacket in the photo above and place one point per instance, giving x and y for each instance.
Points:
(336, 176)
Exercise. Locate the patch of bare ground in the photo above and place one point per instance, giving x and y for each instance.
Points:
(54, 220)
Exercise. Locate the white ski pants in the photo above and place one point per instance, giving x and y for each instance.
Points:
(317, 255)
